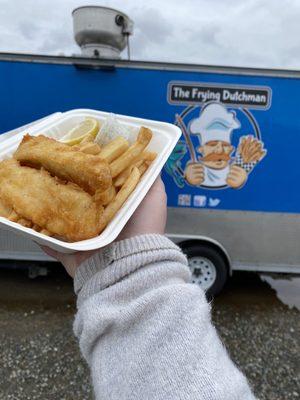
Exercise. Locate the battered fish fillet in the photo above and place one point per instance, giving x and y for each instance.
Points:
(88, 171)
(5, 209)
(65, 210)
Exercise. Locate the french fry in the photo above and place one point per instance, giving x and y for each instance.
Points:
(144, 136)
(122, 195)
(105, 197)
(114, 149)
(121, 178)
(143, 168)
(127, 158)
(91, 148)
(147, 156)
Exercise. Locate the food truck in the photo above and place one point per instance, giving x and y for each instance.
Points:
(233, 178)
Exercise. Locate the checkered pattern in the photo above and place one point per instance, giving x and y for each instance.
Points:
(248, 167)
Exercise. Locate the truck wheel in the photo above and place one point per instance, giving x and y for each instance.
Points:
(208, 267)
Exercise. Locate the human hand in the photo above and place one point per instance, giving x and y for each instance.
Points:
(70, 261)
(194, 174)
(237, 177)
(149, 217)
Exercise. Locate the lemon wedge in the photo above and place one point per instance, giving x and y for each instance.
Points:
(89, 126)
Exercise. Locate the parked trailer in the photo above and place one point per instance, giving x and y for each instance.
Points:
(232, 180)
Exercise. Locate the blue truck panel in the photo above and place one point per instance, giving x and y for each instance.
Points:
(239, 149)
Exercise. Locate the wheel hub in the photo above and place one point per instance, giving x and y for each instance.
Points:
(203, 271)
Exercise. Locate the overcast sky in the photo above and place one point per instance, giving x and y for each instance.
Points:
(262, 33)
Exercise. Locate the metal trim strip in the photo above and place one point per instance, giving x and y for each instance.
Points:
(156, 65)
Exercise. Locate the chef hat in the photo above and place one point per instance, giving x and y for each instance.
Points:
(214, 123)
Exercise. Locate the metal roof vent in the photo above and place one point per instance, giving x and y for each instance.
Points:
(101, 31)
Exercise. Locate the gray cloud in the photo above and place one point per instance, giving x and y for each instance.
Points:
(261, 33)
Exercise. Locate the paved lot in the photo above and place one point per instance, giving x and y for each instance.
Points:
(39, 358)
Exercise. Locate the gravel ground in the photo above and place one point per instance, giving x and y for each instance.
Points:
(39, 357)
(262, 336)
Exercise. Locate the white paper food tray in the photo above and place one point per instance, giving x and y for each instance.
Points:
(165, 137)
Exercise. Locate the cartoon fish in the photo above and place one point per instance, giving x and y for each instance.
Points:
(173, 166)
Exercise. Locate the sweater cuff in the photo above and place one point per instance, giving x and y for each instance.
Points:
(123, 258)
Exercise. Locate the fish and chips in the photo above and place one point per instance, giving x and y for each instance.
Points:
(71, 191)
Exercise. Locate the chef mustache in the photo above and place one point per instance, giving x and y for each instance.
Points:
(216, 157)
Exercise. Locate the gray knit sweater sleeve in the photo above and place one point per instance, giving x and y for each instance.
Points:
(146, 332)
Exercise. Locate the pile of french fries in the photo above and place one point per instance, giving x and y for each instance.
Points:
(127, 165)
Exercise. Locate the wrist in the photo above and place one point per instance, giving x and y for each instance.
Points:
(120, 259)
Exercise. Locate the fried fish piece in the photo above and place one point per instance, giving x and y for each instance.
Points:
(5, 209)
(8, 212)
(88, 171)
(63, 209)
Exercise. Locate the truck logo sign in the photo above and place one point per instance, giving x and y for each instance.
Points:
(222, 141)
(200, 93)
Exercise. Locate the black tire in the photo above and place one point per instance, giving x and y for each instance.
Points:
(199, 250)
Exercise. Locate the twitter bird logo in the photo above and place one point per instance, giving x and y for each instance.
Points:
(213, 202)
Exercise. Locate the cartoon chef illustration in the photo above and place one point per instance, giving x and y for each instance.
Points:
(217, 167)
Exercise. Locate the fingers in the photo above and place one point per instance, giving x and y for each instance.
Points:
(236, 177)
(234, 172)
(158, 185)
(69, 261)
(196, 169)
(234, 183)
(52, 253)
(156, 195)
(199, 177)
(150, 216)
(195, 174)
(61, 257)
